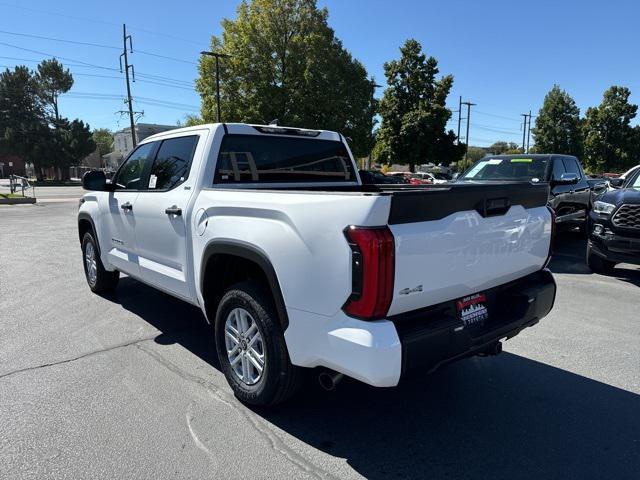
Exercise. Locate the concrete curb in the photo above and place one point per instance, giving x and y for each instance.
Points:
(17, 201)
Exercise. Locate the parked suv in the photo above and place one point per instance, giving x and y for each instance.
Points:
(569, 192)
(614, 227)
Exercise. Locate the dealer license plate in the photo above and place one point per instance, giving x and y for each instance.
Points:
(472, 310)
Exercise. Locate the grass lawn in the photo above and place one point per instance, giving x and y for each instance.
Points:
(10, 195)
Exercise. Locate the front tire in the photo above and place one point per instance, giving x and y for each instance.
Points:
(251, 347)
(99, 279)
(598, 264)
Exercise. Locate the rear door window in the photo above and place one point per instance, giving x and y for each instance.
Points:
(272, 159)
(172, 163)
(571, 165)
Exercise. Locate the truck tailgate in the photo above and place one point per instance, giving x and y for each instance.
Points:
(461, 239)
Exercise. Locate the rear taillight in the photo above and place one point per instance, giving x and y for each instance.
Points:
(373, 265)
(553, 236)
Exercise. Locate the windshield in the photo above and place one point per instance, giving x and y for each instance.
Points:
(634, 182)
(507, 168)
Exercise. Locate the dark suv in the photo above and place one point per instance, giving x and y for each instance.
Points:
(614, 226)
(569, 191)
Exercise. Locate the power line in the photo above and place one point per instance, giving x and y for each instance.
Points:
(103, 22)
(112, 96)
(98, 45)
(173, 107)
(496, 129)
(167, 102)
(161, 77)
(114, 77)
(166, 57)
(84, 65)
(75, 42)
(58, 56)
(498, 116)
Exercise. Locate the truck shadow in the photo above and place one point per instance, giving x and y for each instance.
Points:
(498, 417)
(503, 417)
(569, 257)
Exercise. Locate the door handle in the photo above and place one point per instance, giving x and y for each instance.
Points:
(126, 206)
(174, 210)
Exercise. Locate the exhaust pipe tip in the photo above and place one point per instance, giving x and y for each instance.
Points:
(329, 379)
(495, 349)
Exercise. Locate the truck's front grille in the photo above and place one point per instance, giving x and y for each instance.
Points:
(627, 216)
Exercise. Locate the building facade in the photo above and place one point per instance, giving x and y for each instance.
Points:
(123, 142)
(12, 165)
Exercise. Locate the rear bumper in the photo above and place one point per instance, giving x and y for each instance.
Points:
(435, 336)
(381, 352)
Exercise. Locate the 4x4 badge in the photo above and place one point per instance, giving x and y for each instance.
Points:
(407, 291)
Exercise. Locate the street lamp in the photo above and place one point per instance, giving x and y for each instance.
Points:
(217, 55)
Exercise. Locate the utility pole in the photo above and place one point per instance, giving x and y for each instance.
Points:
(466, 147)
(217, 56)
(529, 131)
(129, 101)
(524, 130)
(459, 117)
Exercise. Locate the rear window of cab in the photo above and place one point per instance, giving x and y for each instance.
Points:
(273, 159)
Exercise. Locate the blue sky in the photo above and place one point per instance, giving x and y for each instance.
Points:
(504, 55)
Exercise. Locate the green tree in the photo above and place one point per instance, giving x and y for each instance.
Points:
(66, 145)
(476, 153)
(501, 147)
(28, 126)
(54, 80)
(609, 137)
(22, 114)
(287, 64)
(558, 126)
(414, 112)
(103, 138)
(191, 121)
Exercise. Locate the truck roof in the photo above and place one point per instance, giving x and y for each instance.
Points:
(251, 129)
(530, 155)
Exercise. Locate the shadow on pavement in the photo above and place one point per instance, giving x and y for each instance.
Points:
(499, 417)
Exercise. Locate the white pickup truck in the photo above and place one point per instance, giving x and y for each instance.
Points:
(297, 265)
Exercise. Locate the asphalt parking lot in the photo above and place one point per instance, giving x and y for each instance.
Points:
(128, 386)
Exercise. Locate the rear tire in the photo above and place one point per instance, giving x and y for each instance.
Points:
(598, 264)
(248, 333)
(99, 279)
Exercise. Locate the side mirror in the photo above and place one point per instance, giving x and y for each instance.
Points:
(599, 187)
(95, 180)
(566, 179)
(616, 182)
